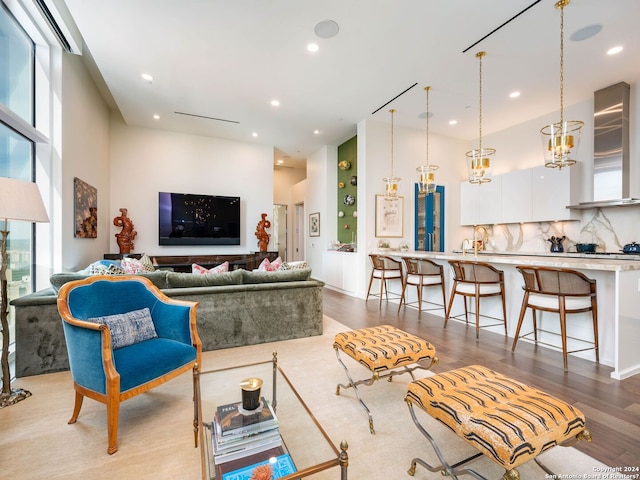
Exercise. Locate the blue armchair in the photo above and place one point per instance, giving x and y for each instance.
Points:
(124, 337)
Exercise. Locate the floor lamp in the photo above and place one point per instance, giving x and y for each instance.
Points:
(21, 201)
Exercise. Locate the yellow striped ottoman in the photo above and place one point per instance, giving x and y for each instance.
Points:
(507, 421)
(385, 351)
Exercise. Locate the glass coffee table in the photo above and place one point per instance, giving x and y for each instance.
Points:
(303, 438)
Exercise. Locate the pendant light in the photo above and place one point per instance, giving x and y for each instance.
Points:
(560, 140)
(479, 160)
(427, 172)
(391, 182)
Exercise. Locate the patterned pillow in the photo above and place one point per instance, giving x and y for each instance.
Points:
(128, 328)
(222, 268)
(101, 269)
(133, 266)
(294, 265)
(146, 262)
(277, 263)
(267, 266)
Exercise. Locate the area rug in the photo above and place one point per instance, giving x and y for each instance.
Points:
(156, 438)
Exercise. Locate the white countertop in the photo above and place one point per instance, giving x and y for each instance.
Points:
(578, 261)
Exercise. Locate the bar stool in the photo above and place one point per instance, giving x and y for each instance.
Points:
(476, 280)
(561, 291)
(422, 273)
(384, 269)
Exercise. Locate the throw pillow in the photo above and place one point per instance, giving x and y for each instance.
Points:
(267, 266)
(294, 265)
(222, 268)
(100, 268)
(128, 328)
(147, 263)
(133, 266)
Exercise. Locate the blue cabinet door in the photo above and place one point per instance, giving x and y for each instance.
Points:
(429, 220)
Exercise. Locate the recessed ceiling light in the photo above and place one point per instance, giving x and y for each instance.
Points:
(316, 132)
(254, 134)
(313, 47)
(586, 32)
(453, 122)
(514, 94)
(147, 78)
(326, 29)
(614, 50)
(280, 162)
(275, 103)
(156, 116)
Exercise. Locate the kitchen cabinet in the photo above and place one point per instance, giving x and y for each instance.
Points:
(340, 270)
(468, 203)
(538, 194)
(517, 197)
(429, 220)
(552, 193)
(480, 204)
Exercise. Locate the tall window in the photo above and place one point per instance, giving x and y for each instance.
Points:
(17, 87)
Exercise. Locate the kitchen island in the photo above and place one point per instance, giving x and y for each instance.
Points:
(618, 293)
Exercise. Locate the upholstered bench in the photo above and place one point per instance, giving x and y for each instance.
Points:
(507, 421)
(385, 351)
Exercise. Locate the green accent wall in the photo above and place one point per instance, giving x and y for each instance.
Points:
(347, 152)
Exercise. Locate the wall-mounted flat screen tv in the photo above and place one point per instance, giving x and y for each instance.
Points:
(190, 219)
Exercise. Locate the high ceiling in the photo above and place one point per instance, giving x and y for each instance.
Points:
(222, 62)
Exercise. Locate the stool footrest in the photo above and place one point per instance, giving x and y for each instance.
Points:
(507, 421)
(385, 351)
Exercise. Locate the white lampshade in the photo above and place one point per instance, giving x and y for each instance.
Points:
(20, 200)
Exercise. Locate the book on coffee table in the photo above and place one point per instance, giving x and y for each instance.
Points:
(280, 466)
(231, 420)
(245, 447)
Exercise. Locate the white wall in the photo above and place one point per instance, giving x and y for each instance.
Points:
(145, 162)
(316, 199)
(85, 154)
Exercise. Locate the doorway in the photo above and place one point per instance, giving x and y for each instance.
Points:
(280, 230)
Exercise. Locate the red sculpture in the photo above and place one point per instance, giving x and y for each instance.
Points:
(263, 236)
(127, 234)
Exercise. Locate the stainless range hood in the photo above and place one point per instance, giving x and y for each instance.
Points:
(611, 174)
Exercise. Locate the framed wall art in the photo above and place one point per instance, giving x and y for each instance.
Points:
(314, 224)
(85, 209)
(389, 216)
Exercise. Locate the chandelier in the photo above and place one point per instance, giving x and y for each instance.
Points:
(560, 140)
(479, 160)
(391, 182)
(427, 172)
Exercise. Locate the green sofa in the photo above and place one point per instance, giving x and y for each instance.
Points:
(236, 308)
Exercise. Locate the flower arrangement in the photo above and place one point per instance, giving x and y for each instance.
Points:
(383, 243)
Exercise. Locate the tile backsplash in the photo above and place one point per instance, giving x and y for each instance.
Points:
(609, 228)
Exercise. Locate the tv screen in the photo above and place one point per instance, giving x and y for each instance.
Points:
(190, 219)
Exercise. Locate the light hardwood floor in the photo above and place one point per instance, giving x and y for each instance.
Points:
(612, 407)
